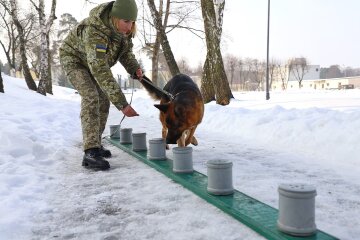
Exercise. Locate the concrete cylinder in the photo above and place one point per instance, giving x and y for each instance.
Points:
(115, 131)
(219, 174)
(125, 135)
(183, 162)
(157, 149)
(297, 209)
(139, 142)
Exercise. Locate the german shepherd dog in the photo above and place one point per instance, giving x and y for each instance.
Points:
(181, 112)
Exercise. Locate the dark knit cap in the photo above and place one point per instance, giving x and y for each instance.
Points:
(124, 9)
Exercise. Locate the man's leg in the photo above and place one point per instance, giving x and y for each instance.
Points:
(90, 117)
(104, 113)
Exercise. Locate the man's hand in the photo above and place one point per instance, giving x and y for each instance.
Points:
(139, 74)
(129, 111)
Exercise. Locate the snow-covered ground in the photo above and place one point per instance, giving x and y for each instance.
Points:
(307, 137)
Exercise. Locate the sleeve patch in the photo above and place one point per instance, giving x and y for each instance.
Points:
(100, 50)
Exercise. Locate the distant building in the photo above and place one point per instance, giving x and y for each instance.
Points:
(311, 72)
(321, 84)
(283, 79)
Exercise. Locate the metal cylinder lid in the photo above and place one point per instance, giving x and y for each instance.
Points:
(138, 134)
(300, 190)
(182, 150)
(218, 163)
(156, 140)
(125, 129)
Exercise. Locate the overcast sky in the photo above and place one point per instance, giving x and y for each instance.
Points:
(324, 31)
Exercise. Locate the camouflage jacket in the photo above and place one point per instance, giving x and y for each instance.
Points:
(95, 45)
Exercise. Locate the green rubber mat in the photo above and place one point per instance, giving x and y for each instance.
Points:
(249, 211)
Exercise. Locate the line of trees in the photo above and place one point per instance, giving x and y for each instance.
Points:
(25, 28)
(249, 74)
(335, 71)
(31, 37)
(24, 32)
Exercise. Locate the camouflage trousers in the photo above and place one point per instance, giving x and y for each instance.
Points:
(94, 107)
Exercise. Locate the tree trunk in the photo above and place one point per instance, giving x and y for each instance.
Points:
(223, 92)
(156, 48)
(1, 83)
(45, 81)
(214, 75)
(49, 83)
(207, 89)
(9, 29)
(25, 67)
(155, 61)
(170, 59)
(49, 23)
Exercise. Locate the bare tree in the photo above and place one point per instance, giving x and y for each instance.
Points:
(157, 43)
(184, 66)
(272, 70)
(214, 83)
(198, 69)
(1, 81)
(175, 16)
(10, 45)
(298, 67)
(240, 63)
(257, 74)
(169, 56)
(231, 62)
(8, 25)
(33, 55)
(247, 69)
(22, 43)
(350, 72)
(334, 71)
(45, 26)
(283, 74)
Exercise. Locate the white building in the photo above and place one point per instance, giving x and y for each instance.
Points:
(310, 72)
(284, 79)
(327, 84)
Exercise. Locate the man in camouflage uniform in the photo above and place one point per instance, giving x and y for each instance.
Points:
(87, 54)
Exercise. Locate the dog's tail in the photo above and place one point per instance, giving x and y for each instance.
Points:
(154, 91)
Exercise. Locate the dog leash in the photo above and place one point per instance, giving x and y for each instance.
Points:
(122, 119)
(146, 79)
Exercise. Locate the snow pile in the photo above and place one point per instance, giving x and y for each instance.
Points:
(308, 137)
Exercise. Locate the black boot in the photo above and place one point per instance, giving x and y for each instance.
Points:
(105, 152)
(93, 159)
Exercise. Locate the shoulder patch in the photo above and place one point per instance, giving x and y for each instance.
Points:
(100, 50)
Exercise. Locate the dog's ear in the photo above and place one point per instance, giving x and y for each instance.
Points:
(162, 107)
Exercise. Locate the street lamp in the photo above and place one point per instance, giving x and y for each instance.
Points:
(267, 54)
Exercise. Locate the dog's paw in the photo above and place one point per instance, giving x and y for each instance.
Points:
(194, 141)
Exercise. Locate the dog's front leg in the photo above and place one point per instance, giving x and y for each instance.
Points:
(190, 137)
(164, 134)
(194, 141)
(181, 141)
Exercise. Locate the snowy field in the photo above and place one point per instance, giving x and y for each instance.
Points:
(309, 137)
